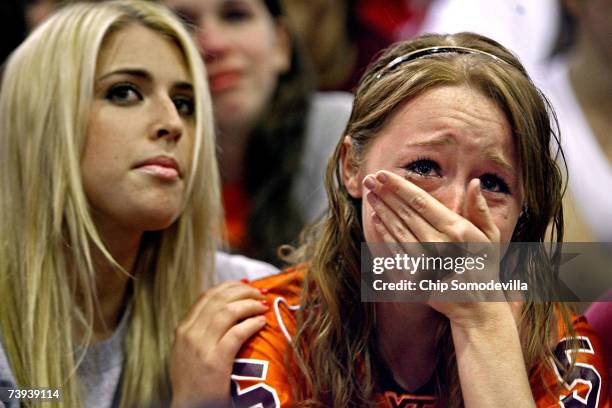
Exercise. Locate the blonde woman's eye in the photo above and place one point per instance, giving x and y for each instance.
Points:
(185, 105)
(123, 94)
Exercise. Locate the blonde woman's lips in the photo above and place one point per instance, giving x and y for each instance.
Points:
(162, 167)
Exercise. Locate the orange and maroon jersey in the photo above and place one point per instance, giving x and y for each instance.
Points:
(260, 378)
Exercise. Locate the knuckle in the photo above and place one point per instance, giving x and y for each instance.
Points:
(254, 304)
(395, 188)
(418, 203)
(234, 341)
(404, 213)
(187, 342)
(235, 337)
(191, 338)
(444, 239)
(181, 331)
(231, 309)
(481, 208)
(402, 237)
(395, 229)
(204, 358)
(225, 310)
(399, 232)
(202, 296)
(254, 293)
(219, 320)
(457, 232)
(221, 289)
(178, 334)
(385, 234)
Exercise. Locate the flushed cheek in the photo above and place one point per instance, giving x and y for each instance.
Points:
(369, 231)
(433, 185)
(505, 219)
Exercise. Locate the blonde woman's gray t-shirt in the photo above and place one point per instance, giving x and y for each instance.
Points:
(101, 368)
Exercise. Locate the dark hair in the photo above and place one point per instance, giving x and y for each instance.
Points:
(566, 33)
(14, 31)
(274, 7)
(273, 158)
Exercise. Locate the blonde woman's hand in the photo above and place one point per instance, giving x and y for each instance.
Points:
(208, 339)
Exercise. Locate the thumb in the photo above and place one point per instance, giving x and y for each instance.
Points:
(478, 211)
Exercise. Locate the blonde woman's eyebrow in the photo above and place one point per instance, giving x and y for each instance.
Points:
(139, 73)
(145, 75)
(183, 86)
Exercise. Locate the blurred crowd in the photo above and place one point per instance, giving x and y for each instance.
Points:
(273, 159)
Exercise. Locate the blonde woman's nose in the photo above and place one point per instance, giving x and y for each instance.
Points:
(169, 123)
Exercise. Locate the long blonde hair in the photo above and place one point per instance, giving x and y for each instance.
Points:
(335, 345)
(47, 235)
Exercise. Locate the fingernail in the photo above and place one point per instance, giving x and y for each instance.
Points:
(264, 302)
(376, 219)
(478, 188)
(372, 198)
(382, 177)
(369, 183)
(244, 280)
(263, 291)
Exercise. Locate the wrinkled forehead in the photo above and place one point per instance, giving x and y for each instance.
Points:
(439, 115)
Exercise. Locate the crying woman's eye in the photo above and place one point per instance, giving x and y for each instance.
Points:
(494, 184)
(424, 168)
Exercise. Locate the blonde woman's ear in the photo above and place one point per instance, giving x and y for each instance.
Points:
(351, 176)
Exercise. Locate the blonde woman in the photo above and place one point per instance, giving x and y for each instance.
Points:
(448, 141)
(109, 216)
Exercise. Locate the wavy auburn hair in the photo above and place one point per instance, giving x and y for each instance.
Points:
(335, 345)
(47, 235)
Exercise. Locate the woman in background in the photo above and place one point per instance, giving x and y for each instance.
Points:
(578, 81)
(109, 215)
(274, 132)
